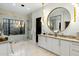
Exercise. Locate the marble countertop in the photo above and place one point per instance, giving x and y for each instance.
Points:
(4, 42)
(68, 38)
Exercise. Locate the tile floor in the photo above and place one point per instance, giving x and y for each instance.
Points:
(28, 48)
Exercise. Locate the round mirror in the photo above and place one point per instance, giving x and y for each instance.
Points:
(58, 19)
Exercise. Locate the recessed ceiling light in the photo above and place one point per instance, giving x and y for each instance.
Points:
(22, 5)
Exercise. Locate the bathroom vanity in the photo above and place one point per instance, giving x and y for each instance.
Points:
(60, 45)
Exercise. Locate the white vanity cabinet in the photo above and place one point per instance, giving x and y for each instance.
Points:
(59, 46)
(64, 48)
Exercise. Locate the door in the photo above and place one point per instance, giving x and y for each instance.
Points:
(38, 27)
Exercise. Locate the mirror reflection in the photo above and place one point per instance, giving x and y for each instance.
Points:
(58, 19)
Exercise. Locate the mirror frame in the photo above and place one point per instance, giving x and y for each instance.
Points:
(60, 20)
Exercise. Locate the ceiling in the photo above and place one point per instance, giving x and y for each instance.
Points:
(17, 8)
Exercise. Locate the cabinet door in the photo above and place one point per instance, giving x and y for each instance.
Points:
(56, 45)
(42, 41)
(49, 43)
(64, 48)
(4, 49)
(53, 45)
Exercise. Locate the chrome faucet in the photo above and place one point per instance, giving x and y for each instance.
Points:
(56, 32)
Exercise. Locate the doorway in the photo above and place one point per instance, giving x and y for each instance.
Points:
(38, 28)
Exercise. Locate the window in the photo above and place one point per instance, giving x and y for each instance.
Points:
(13, 27)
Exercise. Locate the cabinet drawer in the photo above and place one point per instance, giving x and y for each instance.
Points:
(75, 43)
(74, 52)
(74, 49)
(75, 46)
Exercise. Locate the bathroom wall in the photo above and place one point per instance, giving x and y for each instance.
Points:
(72, 29)
(12, 15)
(35, 14)
(29, 26)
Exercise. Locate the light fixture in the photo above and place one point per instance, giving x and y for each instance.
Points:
(75, 7)
(22, 5)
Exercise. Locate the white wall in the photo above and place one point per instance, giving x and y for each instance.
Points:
(35, 15)
(71, 29)
(12, 15)
(29, 26)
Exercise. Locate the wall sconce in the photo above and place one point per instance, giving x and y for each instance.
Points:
(75, 7)
(74, 13)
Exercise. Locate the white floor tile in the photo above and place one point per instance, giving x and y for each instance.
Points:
(28, 48)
